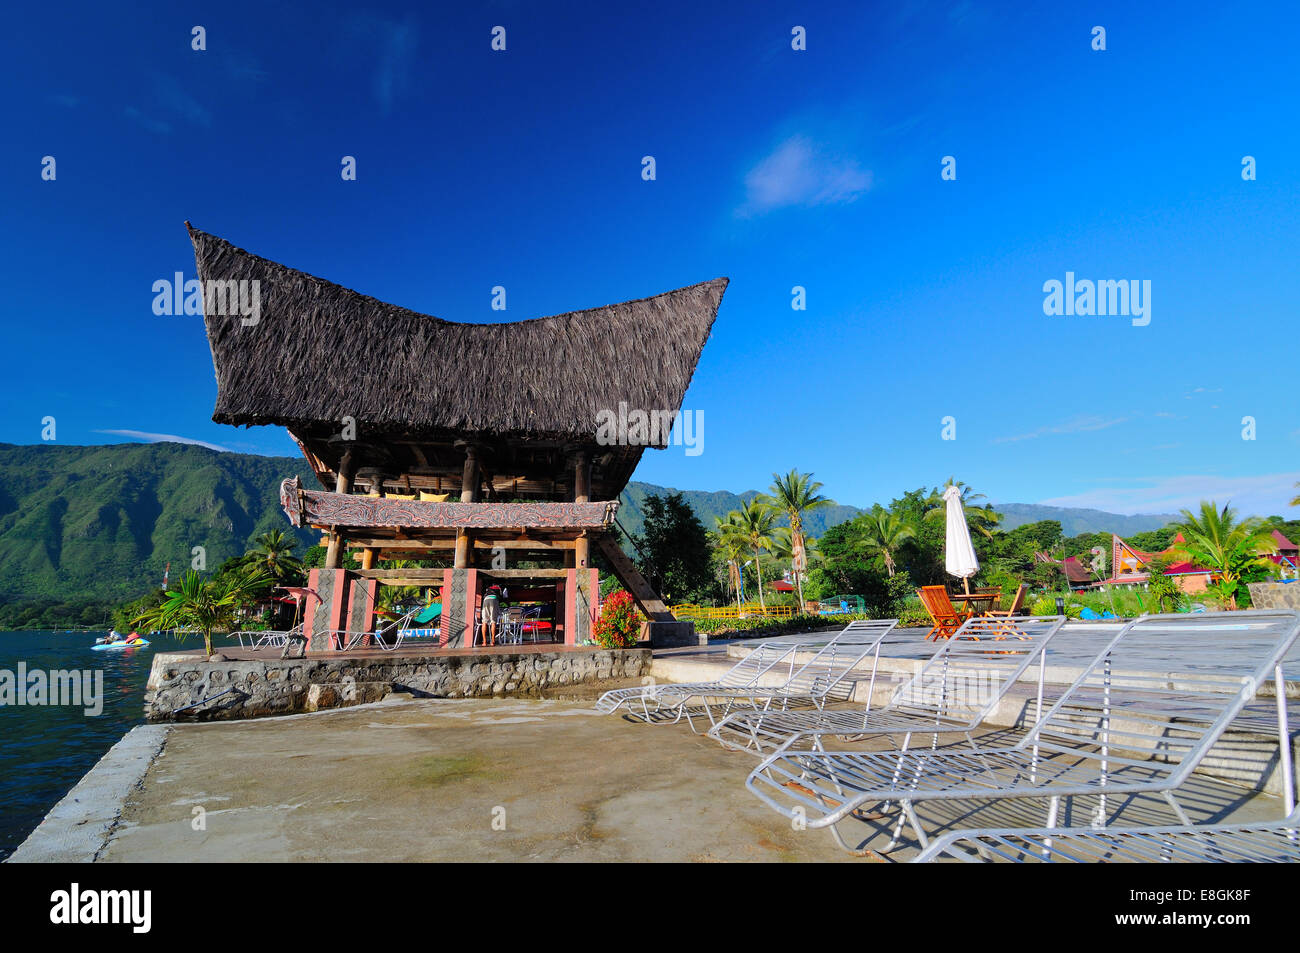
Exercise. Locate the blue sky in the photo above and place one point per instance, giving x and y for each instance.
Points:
(818, 168)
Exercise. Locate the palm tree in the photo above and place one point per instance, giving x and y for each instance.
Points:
(756, 521)
(982, 518)
(1215, 539)
(205, 606)
(885, 531)
(389, 597)
(793, 494)
(728, 541)
(273, 553)
(1295, 500)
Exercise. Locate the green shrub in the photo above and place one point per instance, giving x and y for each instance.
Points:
(753, 628)
(913, 615)
(1006, 583)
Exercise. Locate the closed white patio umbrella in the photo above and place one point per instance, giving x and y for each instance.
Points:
(959, 553)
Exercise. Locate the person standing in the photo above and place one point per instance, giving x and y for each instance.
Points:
(488, 618)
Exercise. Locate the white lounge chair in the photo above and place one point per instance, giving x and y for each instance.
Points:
(955, 690)
(1138, 719)
(833, 659)
(1269, 842)
(385, 638)
(828, 674)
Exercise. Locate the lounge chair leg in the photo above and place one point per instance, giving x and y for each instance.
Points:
(898, 828)
(916, 824)
(1178, 809)
(898, 768)
(1053, 808)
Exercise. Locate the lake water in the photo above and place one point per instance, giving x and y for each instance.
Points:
(45, 750)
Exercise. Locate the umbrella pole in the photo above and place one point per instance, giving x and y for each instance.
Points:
(966, 582)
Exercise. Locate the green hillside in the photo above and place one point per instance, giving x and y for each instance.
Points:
(102, 523)
(1075, 522)
(708, 505)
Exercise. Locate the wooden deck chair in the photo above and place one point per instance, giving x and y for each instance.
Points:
(1017, 604)
(1139, 719)
(947, 618)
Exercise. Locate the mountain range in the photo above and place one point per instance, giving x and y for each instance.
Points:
(104, 522)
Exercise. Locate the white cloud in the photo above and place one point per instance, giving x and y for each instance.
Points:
(799, 173)
(160, 126)
(172, 95)
(1074, 425)
(1264, 495)
(394, 45)
(162, 438)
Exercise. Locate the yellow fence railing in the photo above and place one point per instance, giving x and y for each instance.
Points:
(750, 611)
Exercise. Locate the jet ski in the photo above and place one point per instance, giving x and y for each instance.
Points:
(115, 641)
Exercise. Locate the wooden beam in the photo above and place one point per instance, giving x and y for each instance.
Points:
(433, 577)
(581, 494)
(646, 598)
(468, 494)
(527, 545)
(524, 573)
(422, 577)
(333, 550)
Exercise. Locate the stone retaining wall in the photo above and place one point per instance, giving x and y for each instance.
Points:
(1274, 595)
(187, 686)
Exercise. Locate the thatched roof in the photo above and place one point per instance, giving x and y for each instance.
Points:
(321, 352)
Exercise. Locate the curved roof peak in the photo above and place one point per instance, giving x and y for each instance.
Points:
(320, 352)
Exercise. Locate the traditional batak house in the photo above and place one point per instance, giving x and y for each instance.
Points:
(476, 443)
(1287, 556)
(1129, 567)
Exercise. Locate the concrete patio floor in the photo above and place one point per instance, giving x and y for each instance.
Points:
(424, 780)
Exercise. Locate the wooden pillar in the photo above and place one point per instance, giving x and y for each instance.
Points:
(581, 494)
(334, 553)
(367, 558)
(468, 494)
(343, 483)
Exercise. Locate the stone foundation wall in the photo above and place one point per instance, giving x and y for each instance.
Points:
(1274, 595)
(188, 687)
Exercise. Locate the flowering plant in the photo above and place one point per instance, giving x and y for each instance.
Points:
(619, 623)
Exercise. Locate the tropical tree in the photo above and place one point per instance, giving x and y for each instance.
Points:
(1216, 539)
(783, 547)
(1163, 591)
(205, 606)
(674, 548)
(756, 520)
(883, 533)
(389, 598)
(272, 552)
(794, 494)
(983, 519)
(1295, 500)
(729, 542)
